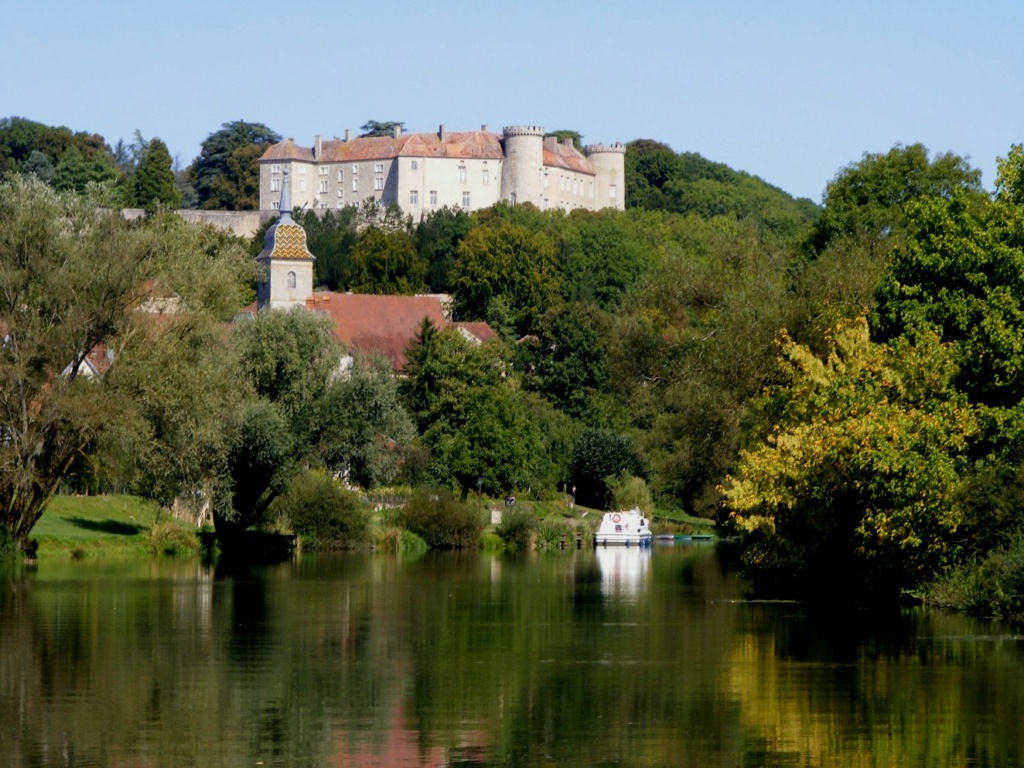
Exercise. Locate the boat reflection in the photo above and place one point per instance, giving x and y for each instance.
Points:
(624, 570)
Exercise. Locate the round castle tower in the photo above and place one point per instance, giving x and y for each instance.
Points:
(523, 164)
(609, 164)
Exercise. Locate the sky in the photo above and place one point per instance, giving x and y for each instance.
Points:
(791, 91)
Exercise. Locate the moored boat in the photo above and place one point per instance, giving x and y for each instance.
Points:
(628, 527)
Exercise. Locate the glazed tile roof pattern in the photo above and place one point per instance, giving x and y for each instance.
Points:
(285, 241)
(568, 157)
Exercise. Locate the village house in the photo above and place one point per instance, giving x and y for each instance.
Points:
(421, 172)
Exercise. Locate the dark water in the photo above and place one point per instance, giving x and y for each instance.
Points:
(617, 658)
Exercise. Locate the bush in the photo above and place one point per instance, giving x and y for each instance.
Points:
(441, 521)
(173, 539)
(516, 528)
(629, 492)
(321, 512)
(553, 531)
(994, 587)
(392, 539)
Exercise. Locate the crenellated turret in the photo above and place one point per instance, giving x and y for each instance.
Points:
(523, 165)
(609, 164)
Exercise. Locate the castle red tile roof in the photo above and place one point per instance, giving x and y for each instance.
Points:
(288, 150)
(482, 145)
(566, 156)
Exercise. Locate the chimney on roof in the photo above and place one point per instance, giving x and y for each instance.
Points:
(318, 147)
(567, 141)
(440, 133)
(483, 128)
(396, 131)
(550, 142)
(348, 135)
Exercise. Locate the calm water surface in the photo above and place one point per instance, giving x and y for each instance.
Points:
(623, 658)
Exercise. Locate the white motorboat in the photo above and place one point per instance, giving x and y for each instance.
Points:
(628, 527)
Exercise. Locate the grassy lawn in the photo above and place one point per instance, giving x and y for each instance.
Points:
(82, 525)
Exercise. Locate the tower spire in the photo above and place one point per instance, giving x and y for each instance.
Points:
(286, 199)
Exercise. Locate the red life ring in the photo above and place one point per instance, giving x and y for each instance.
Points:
(616, 517)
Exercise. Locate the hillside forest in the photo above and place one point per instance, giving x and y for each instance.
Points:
(838, 386)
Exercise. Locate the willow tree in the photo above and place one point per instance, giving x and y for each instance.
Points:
(79, 292)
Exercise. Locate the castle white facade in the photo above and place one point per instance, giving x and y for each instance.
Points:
(421, 172)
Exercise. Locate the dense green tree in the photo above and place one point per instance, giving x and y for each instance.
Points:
(599, 456)
(470, 414)
(437, 240)
(260, 463)
(39, 165)
(380, 128)
(866, 200)
(226, 175)
(387, 262)
(289, 358)
(603, 253)
(570, 361)
(72, 282)
(506, 261)
(363, 429)
(153, 180)
(330, 236)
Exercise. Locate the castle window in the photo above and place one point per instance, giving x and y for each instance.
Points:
(275, 169)
(512, 198)
(323, 186)
(341, 175)
(324, 170)
(378, 182)
(275, 185)
(414, 197)
(433, 197)
(302, 185)
(544, 181)
(355, 185)
(465, 201)
(611, 192)
(355, 168)
(486, 176)
(341, 192)
(462, 174)
(291, 279)
(341, 203)
(378, 167)
(277, 205)
(415, 164)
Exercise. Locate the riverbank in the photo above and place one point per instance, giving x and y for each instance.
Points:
(81, 526)
(85, 526)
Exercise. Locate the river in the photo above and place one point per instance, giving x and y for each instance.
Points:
(583, 658)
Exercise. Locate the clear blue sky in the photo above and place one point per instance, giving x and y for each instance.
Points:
(789, 91)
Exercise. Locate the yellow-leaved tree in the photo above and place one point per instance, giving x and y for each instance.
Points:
(855, 483)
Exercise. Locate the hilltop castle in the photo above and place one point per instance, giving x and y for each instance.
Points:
(422, 172)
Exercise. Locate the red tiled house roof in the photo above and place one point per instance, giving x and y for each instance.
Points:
(372, 323)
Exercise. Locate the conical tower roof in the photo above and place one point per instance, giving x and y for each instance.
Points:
(286, 239)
